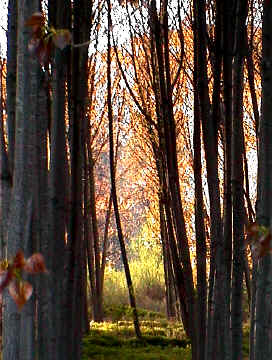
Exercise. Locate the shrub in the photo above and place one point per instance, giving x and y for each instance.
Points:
(147, 272)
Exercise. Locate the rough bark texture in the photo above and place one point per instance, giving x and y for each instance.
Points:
(58, 175)
(75, 291)
(263, 348)
(23, 198)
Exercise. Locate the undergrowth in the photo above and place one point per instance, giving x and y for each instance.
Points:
(102, 345)
(115, 339)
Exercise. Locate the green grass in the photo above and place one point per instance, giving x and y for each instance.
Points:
(162, 340)
(124, 312)
(98, 346)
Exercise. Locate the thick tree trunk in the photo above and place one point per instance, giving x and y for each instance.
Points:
(18, 345)
(263, 349)
(58, 175)
(75, 292)
(44, 286)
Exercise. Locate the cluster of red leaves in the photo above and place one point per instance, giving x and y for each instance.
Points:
(11, 276)
(43, 39)
(259, 237)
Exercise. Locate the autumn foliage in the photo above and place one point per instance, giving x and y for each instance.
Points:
(11, 276)
(44, 39)
(259, 238)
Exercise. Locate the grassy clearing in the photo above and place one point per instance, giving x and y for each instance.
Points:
(109, 342)
(115, 339)
(163, 340)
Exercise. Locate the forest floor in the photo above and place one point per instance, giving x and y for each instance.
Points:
(115, 338)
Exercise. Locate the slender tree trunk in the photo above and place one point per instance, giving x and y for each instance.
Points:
(88, 235)
(216, 323)
(201, 251)
(238, 186)
(105, 243)
(113, 187)
(162, 53)
(98, 314)
(168, 275)
(228, 40)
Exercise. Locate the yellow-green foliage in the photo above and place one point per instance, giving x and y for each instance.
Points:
(110, 341)
(115, 287)
(146, 266)
(158, 327)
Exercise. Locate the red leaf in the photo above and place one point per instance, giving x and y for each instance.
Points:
(19, 260)
(35, 264)
(259, 237)
(20, 291)
(62, 38)
(36, 21)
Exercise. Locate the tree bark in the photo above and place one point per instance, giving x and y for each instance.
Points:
(263, 348)
(20, 233)
(200, 233)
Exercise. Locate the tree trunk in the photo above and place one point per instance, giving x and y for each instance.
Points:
(75, 292)
(113, 186)
(24, 194)
(216, 315)
(238, 185)
(58, 175)
(201, 251)
(98, 312)
(263, 348)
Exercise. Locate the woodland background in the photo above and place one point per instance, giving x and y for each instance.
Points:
(136, 156)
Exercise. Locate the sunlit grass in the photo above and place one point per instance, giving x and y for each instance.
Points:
(162, 340)
(117, 341)
(125, 329)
